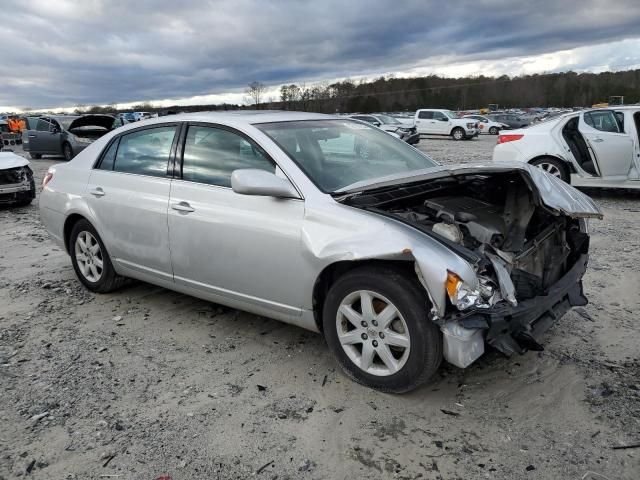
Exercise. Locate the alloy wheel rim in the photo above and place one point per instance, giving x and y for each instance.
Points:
(457, 134)
(373, 333)
(89, 256)
(550, 169)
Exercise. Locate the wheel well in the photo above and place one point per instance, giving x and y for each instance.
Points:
(456, 128)
(567, 165)
(68, 226)
(332, 272)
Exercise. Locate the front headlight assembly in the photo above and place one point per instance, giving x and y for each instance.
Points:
(463, 296)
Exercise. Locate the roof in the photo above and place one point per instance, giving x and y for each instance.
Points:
(247, 116)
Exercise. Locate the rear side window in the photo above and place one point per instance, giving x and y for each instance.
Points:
(425, 115)
(604, 121)
(212, 154)
(109, 157)
(145, 152)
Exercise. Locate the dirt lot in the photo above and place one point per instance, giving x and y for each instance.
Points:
(146, 382)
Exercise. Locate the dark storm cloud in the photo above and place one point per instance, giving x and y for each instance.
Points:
(64, 53)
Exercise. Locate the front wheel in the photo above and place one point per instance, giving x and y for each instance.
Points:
(494, 131)
(90, 259)
(457, 134)
(67, 151)
(553, 167)
(376, 322)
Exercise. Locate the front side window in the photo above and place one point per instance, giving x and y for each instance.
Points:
(145, 152)
(604, 121)
(212, 154)
(337, 153)
(439, 116)
(43, 125)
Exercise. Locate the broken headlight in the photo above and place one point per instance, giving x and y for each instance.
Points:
(464, 296)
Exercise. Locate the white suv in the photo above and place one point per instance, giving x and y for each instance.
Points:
(430, 121)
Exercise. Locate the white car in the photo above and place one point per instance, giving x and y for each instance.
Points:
(486, 125)
(16, 180)
(591, 148)
(431, 121)
(391, 125)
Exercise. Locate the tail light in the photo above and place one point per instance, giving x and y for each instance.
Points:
(47, 178)
(509, 138)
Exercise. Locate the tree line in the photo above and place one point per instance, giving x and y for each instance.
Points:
(385, 94)
(568, 89)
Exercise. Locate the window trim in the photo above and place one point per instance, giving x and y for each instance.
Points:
(116, 138)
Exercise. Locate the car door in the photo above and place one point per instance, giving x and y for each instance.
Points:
(611, 147)
(241, 250)
(43, 139)
(441, 123)
(128, 193)
(425, 122)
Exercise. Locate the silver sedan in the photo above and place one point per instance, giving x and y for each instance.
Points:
(332, 225)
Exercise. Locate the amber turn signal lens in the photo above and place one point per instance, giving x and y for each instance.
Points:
(453, 281)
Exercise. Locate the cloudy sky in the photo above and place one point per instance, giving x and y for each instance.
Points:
(62, 53)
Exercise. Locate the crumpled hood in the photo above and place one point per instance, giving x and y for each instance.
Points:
(11, 160)
(104, 121)
(554, 193)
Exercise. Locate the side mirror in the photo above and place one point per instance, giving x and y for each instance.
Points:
(252, 181)
(444, 119)
(376, 124)
(55, 130)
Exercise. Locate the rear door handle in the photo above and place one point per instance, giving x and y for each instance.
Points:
(598, 140)
(98, 192)
(182, 207)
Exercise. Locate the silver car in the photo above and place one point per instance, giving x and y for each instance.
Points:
(397, 261)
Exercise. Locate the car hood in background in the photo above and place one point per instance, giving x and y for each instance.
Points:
(554, 193)
(11, 160)
(104, 121)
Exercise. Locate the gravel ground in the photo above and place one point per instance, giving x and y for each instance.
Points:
(145, 382)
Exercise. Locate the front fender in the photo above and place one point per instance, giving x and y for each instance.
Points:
(355, 235)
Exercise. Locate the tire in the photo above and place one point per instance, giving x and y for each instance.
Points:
(24, 203)
(553, 166)
(67, 151)
(415, 362)
(105, 279)
(494, 131)
(458, 133)
(36, 156)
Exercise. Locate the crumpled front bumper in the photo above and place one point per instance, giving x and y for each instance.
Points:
(518, 329)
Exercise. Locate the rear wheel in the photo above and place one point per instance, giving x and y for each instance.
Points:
(67, 151)
(36, 156)
(457, 133)
(553, 167)
(377, 325)
(90, 259)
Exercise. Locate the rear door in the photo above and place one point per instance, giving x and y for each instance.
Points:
(128, 193)
(425, 122)
(243, 249)
(610, 145)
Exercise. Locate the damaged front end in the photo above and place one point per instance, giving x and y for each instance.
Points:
(528, 250)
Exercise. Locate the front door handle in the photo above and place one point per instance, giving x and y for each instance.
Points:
(598, 140)
(98, 192)
(31, 136)
(182, 207)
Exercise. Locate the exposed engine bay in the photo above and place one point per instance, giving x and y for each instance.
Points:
(519, 247)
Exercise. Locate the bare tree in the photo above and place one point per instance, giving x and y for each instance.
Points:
(255, 91)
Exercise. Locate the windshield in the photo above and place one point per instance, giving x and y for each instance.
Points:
(337, 153)
(450, 114)
(386, 119)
